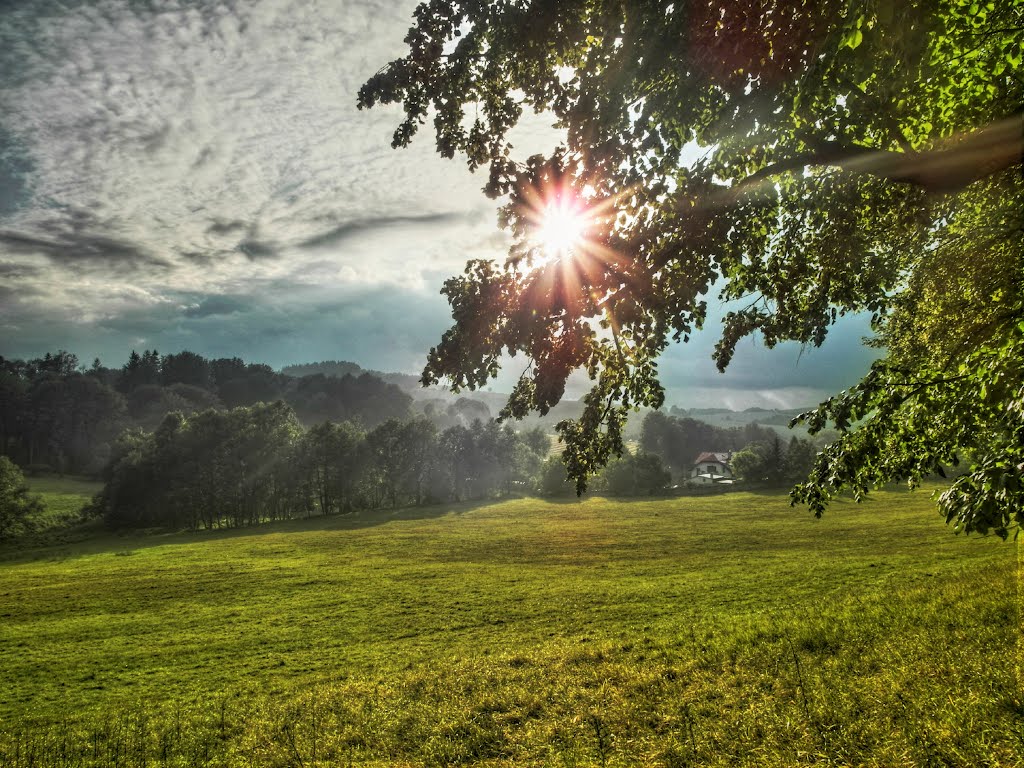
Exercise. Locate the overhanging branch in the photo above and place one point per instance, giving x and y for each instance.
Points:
(966, 159)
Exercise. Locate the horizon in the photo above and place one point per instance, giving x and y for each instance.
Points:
(576, 388)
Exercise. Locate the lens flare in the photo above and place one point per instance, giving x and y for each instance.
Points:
(562, 228)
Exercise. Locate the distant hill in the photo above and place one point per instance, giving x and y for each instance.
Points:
(327, 368)
(726, 417)
(437, 399)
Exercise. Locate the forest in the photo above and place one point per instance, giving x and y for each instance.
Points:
(56, 415)
(183, 442)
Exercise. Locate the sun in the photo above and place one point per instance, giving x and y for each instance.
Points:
(561, 228)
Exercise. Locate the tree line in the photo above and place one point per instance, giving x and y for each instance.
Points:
(57, 414)
(254, 464)
(186, 442)
(760, 455)
(247, 465)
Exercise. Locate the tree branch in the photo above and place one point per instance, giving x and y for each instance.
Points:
(972, 157)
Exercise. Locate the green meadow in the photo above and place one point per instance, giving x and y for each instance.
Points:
(63, 498)
(726, 630)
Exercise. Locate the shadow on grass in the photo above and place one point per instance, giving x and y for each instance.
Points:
(92, 537)
(927, 485)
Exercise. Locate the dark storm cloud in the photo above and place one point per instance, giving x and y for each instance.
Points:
(383, 329)
(226, 227)
(11, 295)
(144, 322)
(310, 326)
(789, 375)
(255, 249)
(11, 271)
(339, 234)
(74, 247)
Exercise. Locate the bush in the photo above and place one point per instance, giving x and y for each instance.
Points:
(553, 479)
(640, 474)
(16, 506)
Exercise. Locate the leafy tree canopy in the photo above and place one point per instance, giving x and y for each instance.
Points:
(17, 506)
(851, 149)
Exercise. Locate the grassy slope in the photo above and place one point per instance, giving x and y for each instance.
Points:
(721, 630)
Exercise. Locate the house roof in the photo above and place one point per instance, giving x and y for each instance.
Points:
(721, 458)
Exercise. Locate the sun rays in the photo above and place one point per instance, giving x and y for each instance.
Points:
(562, 228)
(571, 267)
(566, 225)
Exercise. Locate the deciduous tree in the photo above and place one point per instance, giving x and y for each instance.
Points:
(849, 152)
(16, 504)
(636, 474)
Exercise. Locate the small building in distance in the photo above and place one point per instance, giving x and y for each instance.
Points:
(712, 469)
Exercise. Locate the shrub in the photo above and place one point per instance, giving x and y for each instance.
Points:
(16, 505)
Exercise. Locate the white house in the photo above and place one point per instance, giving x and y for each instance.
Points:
(712, 468)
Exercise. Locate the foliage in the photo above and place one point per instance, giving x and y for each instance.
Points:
(918, 421)
(553, 480)
(55, 413)
(401, 454)
(486, 459)
(635, 474)
(250, 465)
(239, 383)
(849, 151)
(140, 370)
(329, 457)
(336, 368)
(186, 368)
(751, 465)
(16, 505)
(213, 469)
(720, 631)
(679, 440)
(148, 404)
(761, 463)
(68, 421)
(365, 399)
(773, 462)
(799, 460)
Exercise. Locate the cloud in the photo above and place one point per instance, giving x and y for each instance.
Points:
(226, 227)
(350, 229)
(213, 306)
(194, 174)
(188, 128)
(789, 375)
(76, 247)
(15, 271)
(255, 249)
(15, 168)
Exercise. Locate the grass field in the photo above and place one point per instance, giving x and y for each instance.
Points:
(63, 497)
(728, 630)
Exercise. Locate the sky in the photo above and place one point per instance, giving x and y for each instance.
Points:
(195, 175)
